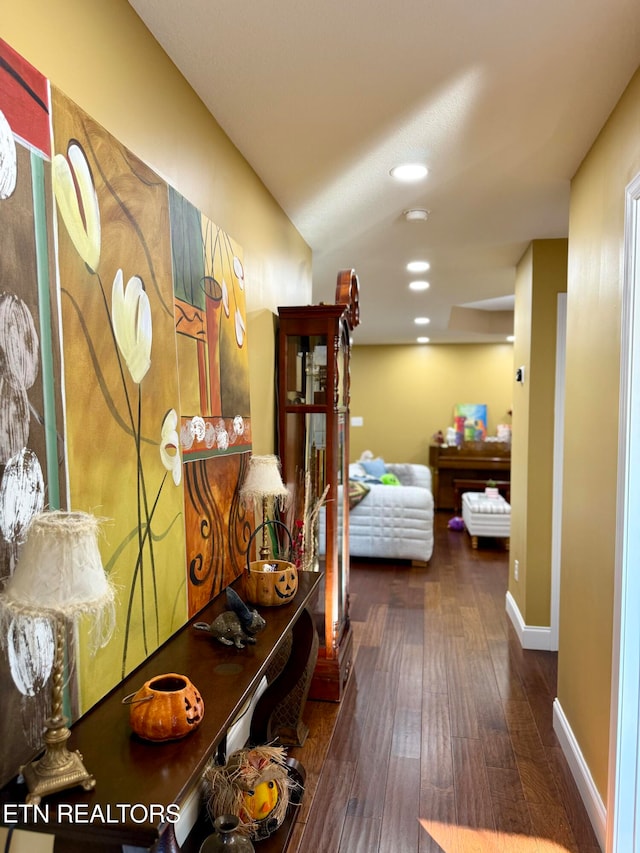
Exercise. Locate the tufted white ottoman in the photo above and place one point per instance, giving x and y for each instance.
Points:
(486, 516)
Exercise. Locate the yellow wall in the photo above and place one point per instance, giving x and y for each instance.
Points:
(407, 393)
(596, 233)
(520, 426)
(101, 55)
(540, 276)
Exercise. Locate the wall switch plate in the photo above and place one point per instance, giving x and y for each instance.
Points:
(516, 569)
(520, 375)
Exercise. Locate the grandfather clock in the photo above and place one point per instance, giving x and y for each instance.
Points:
(313, 437)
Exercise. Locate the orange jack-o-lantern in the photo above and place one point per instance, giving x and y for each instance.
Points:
(166, 707)
(271, 582)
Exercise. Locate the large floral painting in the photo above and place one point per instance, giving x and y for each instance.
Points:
(150, 358)
(213, 364)
(121, 382)
(31, 443)
(210, 318)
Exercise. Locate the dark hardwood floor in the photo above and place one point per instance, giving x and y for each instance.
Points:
(443, 740)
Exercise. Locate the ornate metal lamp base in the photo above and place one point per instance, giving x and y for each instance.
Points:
(58, 768)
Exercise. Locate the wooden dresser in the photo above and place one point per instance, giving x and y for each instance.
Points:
(473, 460)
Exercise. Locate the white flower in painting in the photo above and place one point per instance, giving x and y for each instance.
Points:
(239, 271)
(131, 316)
(78, 202)
(238, 425)
(8, 159)
(225, 297)
(222, 436)
(21, 494)
(186, 436)
(240, 328)
(15, 418)
(198, 427)
(19, 342)
(209, 436)
(30, 650)
(20, 361)
(169, 446)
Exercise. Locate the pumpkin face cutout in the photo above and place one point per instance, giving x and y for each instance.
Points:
(167, 707)
(286, 584)
(193, 709)
(271, 582)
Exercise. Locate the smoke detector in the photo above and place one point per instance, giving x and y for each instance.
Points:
(416, 214)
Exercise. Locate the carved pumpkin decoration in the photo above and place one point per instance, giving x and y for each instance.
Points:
(271, 582)
(166, 707)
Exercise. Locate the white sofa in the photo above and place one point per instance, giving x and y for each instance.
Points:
(393, 522)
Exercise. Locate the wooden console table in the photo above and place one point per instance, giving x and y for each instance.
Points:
(477, 460)
(131, 771)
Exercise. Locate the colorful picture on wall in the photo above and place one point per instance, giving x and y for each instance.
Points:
(122, 397)
(31, 443)
(125, 381)
(470, 419)
(218, 526)
(210, 318)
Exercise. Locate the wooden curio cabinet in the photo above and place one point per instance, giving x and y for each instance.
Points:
(313, 438)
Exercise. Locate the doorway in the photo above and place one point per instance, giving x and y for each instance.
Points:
(558, 464)
(624, 790)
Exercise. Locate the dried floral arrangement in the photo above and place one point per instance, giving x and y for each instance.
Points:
(301, 518)
(234, 789)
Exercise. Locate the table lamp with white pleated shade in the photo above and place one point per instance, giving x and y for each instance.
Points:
(262, 486)
(59, 576)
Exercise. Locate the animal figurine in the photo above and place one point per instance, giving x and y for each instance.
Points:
(236, 626)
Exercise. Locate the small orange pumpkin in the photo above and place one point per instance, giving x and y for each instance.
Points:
(270, 587)
(166, 707)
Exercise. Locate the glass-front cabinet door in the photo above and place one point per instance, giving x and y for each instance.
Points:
(313, 439)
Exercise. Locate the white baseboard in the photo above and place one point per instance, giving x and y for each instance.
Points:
(530, 636)
(581, 774)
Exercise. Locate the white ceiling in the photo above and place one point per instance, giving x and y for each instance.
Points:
(501, 99)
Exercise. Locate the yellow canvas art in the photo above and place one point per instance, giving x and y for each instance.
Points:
(122, 398)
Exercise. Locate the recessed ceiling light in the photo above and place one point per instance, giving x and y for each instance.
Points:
(408, 172)
(418, 266)
(511, 338)
(422, 340)
(416, 214)
(419, 285)
(422, 321)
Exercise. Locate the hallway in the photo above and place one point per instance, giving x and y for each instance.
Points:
(443, 740)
